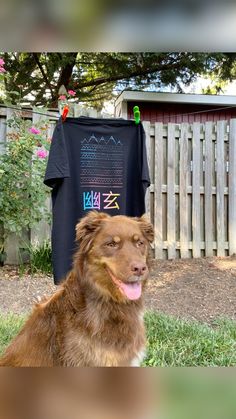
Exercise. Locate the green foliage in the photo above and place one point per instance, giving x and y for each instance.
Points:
(37, 77)
(35, 259)
(174, 342)
(41, 258)
(22, 192)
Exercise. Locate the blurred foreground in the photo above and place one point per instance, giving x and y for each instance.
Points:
(117, 393)
(105, 26)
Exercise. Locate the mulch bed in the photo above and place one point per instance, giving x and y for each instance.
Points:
(201, 289)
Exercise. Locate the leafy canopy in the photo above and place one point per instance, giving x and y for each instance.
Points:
(36, 78)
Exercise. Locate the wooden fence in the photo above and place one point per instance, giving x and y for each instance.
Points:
(192, 198)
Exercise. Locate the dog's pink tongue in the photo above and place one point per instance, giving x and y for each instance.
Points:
(132, 290)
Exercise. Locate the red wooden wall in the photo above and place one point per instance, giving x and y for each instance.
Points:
(174, 112)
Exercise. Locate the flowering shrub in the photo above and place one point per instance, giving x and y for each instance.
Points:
(34, 130)
(71, 93)
(64, 100)
(22, 168)
(2, 63)
(41, 153)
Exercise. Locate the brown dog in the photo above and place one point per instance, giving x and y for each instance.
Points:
(95, 318)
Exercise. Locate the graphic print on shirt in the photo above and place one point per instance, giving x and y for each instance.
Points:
(101, 167)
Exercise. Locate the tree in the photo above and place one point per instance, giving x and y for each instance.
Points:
(37, 77)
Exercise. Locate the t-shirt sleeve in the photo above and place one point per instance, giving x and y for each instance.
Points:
(57, 166)
(145, 168)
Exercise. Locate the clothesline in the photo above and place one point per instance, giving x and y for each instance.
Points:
(17, 108)
(177, 115)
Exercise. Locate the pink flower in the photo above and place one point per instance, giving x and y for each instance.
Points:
(2, 62)
(62, 97)
(2, 70)
(71, 92)
(41, 153)
(34, 130)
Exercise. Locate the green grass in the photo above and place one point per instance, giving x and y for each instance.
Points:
(174, 342)
(171, 342)
(40, 259)
(9, 327)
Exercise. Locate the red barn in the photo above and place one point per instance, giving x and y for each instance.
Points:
(175, 107)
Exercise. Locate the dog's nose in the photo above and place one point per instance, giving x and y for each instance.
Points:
(138, 268)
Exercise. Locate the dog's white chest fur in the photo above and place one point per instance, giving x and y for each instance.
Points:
(141, 354)
(138, 359)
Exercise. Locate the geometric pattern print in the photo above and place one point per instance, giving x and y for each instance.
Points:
(102, 141)
(99, 147)
(113, 164)
(102, 172)
(101, 181)
(102, 157)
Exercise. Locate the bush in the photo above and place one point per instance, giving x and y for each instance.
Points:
(36, 259)
(22, 167)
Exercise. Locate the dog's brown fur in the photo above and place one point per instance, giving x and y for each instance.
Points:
(89, 321)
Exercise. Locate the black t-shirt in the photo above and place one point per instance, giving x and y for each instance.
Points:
(94, 164)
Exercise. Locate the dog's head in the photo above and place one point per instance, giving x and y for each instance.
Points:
(115, 251)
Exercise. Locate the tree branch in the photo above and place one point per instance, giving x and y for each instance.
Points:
(36, 58)
(136, 73)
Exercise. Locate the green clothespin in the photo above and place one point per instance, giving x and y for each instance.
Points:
(136, 114)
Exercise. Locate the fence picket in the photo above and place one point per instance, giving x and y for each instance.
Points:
(232, 187)
(220, 188)
(146, 126)
(183, 196)
(208, 189)
(2, 135)
(171, 191)
(196, 191)
(158, 190)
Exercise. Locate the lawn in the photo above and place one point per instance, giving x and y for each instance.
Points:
(9, 326)
(179, 343)
(171, 342)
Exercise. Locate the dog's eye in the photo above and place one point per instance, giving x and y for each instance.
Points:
(112, 244)
(140, 243)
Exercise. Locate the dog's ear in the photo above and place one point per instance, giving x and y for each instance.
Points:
(87, 228)
(146, 228)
